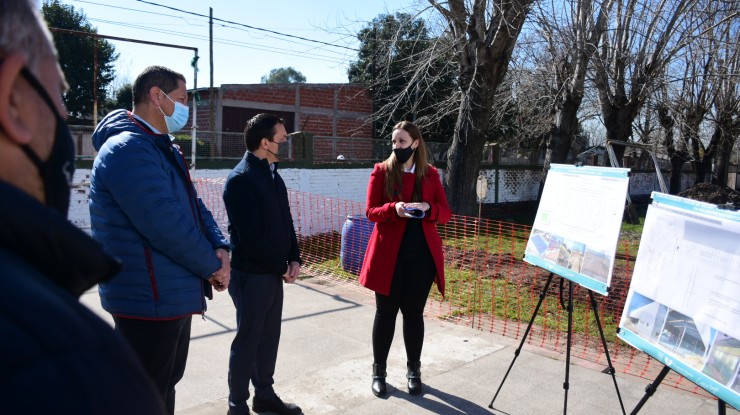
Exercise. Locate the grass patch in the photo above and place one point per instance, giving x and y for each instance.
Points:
(629, 237)
(511, 244)
(469, 294)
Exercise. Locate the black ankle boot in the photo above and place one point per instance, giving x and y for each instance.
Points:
(379, 388)
(414, 377)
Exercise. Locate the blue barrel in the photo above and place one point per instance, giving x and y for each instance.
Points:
(355, 236)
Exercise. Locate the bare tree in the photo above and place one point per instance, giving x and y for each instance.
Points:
(726, 89)
(643, 36)
(706, 76)
(483, 34)
(678, 153)
(572, 34)
(686, 107)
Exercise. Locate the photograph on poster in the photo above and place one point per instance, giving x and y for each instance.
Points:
(576, 228)
(683, 304)
(596, 265)
(701, 347)
(723, 362)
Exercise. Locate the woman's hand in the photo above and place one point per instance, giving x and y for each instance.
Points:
(401, 209)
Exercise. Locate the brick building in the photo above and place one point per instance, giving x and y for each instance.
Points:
(334, 116)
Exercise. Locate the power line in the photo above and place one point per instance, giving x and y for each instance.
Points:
(323, 58)
(189, 23)
(249, 26)
(127, 8)
(188, 34)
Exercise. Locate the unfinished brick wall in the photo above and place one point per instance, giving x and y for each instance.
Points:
(336, 111)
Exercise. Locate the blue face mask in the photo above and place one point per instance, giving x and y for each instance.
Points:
(179, 116)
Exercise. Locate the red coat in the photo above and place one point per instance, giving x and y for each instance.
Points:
(385, 241)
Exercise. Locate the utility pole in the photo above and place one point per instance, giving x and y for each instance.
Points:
(95, 83)
(372, 71)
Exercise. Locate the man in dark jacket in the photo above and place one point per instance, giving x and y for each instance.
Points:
(144, 209)
(56, 356)
(264, 255)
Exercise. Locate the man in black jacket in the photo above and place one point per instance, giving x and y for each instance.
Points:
(264, 255)
(56, 356)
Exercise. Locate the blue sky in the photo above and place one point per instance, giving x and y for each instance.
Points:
(241, 55)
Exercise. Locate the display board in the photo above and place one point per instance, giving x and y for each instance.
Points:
(576, 229)
(683, 305)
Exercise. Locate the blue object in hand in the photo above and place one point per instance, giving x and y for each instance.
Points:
(414, 213)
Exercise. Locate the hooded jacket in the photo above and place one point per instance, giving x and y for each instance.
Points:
(56, 356)
(145, 211)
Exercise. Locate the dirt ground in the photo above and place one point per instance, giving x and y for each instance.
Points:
(711, 193)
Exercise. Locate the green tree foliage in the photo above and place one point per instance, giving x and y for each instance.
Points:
(77, 59)
(124, 97)
(409, 73)
(284, 76)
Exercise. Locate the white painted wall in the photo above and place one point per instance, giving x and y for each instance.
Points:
(348, 187)
(344, 184)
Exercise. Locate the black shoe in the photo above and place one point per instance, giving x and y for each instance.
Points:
(379, 387)
(414, 378)
(244, 410)
(275, 405)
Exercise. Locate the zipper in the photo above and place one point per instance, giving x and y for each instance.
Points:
(150, 270)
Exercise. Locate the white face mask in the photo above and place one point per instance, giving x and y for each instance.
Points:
(179, 116)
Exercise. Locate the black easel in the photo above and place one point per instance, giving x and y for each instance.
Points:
(651, 387)
(569, 308)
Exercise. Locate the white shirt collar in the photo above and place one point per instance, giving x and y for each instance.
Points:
(411, 170)
(154, 130)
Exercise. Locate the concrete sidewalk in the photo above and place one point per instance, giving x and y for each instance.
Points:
(324, 366)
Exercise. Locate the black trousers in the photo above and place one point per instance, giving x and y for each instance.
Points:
(258, 299)
(162, 347)
(412, 280)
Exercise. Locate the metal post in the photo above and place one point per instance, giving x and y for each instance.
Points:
(211, 103)
(195, 110)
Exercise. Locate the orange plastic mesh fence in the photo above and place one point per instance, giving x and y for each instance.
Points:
(489, 287)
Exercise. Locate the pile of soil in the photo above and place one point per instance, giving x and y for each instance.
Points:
(711, 193)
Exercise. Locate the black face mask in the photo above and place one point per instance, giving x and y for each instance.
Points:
(57, 171)
(403, 154)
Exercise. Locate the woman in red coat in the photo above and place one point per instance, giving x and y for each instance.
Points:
(406, 200)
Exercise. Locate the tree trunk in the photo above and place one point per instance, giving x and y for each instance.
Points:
(618, 124)
(721, 146)
(677, 161)
(721, 166)
(484, 36)
(561, 136)
(463, 164)
(677, 157)
(703, 167)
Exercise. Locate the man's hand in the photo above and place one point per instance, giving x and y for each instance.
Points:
(220, 279)
(294, 270)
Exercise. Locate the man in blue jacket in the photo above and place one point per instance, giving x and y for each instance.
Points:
(56, 356)
(144, 209)
(264, 255)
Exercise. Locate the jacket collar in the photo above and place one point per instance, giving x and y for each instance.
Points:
(261, 163)
(45, 239)
(163, 141)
